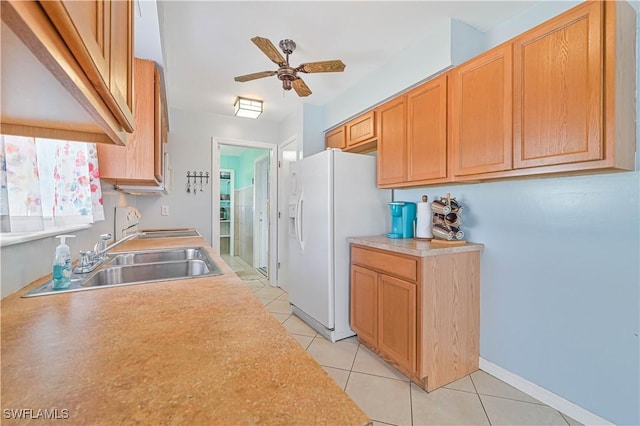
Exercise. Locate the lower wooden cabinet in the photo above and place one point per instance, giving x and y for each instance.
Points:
(420, 313)
(397, 320)
(364, 303)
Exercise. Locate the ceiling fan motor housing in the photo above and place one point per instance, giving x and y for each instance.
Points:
(287, 46)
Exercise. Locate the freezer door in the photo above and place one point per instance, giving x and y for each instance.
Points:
(311, 257)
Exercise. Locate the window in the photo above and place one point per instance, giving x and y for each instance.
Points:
(47, 184)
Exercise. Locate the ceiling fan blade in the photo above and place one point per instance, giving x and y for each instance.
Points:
(254, 76)
(301, 87)
(268, 49)
(322, 66)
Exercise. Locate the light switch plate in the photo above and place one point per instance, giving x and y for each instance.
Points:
(164, 210)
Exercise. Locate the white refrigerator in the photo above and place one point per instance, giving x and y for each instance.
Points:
(334, 196)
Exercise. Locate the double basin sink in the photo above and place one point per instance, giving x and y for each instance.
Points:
(140, 267)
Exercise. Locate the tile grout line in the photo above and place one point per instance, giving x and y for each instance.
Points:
(539, 403)
(351, 369)
(479, 398)
(411, 403)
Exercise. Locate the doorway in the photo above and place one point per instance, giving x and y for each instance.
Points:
(242, 231)
(287, 156)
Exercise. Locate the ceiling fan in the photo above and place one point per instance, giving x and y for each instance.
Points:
(286, 73)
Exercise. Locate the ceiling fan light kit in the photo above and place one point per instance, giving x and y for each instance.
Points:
(286, 73)
(245, 107)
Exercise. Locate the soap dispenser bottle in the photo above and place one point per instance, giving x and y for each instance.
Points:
(62, 264)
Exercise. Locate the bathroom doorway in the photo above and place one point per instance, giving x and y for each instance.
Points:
(242, 196)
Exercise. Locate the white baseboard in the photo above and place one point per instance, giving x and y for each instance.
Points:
(541, 394)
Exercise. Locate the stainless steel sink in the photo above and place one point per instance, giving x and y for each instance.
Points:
(150, 272)
(170, 233)
(155, 256)
(141, 267)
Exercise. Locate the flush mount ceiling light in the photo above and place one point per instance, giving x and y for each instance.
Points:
(250, 108)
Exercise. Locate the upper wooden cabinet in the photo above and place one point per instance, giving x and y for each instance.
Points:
(84, 46)
(357, 135)
(336, 138)
(573, 99)
(481, 127)
(392, 142)
(558, 90)
(559, 98)
(412, 136)
(427, 132)
(140, 161)
(360, 130)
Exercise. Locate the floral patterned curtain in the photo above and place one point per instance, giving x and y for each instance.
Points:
(49, 183)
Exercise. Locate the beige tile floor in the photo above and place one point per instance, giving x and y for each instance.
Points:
(388, 397)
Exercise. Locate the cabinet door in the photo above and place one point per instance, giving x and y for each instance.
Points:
(481, 122)
(85, 27)
(137, 162)
(397, 320)
(336, 138)
(159, 124)
(121, 56)
(427, 131)
(141, 144)
(558, 90)
(364, 304)
(100, 36)
(361, 129)
(392, 142)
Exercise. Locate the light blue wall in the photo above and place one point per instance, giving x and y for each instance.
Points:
(559, 285)
(417, 62)
(313, 130)
(560, 289)
(243, 166)
(230, 162)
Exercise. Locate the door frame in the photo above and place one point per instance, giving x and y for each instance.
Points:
(273, 188)
(283, 219)
(258, 237)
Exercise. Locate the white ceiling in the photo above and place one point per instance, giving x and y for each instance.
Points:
(207, 43)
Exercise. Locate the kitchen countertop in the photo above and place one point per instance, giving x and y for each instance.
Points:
(194, 351)
(413, 247)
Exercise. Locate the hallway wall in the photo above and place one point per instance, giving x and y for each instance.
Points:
(243, 222)
(190, 149)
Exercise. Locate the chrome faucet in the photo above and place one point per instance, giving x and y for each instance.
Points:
(90, 260)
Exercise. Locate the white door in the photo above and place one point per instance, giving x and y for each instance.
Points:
(261, 213)
(287, 154)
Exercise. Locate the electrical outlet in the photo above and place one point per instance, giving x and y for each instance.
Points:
(164, 210)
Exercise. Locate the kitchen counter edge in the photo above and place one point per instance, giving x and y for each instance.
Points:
(412, 246)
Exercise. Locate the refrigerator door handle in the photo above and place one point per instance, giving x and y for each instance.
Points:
(299, 227)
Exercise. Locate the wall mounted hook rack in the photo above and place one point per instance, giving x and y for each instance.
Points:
(195, 180)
